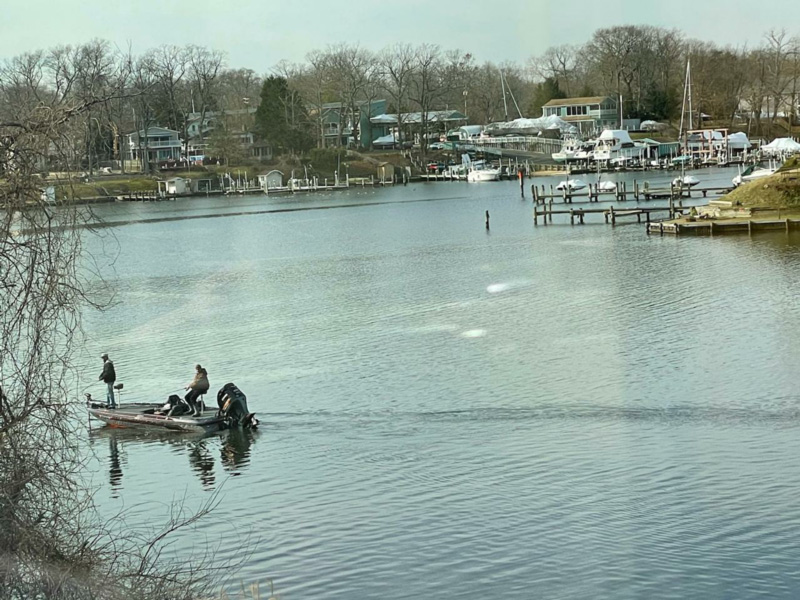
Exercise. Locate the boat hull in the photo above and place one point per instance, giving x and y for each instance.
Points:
(142, 416)
(484, 175)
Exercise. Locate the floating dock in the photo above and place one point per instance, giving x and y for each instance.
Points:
(717, 227)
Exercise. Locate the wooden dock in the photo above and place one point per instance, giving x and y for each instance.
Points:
(716, 227)
(622, 193)
(610, 214)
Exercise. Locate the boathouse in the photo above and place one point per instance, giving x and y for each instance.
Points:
(271, 180)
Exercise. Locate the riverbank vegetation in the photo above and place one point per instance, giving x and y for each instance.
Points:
(53, 544)
(780, 191)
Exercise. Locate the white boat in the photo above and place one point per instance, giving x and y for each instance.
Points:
(685, 181)
(606, 187)
(484, 173)
(751, 173)
(568, 150)
(614, 144)
(586, 151)
(571, 185)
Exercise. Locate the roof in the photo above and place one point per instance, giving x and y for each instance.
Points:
(578, 118)
(433, 116)
(574, 101)
(471, 129)
(358, 103)
(154, 130)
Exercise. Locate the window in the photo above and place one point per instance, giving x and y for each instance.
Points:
(573, 111)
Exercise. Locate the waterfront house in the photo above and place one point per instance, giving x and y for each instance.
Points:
(341, 124)
(589, 114)
(159, 144)
(238, 123)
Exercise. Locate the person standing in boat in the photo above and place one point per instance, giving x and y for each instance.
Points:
(109, 376)
(197, 387)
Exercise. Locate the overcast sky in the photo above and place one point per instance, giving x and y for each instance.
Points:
(259, 33)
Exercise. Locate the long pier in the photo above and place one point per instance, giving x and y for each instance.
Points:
(610, 214)
(621, 193)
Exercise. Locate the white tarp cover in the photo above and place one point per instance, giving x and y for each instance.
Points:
(651, 125)
(540, 124)
(738, 141)
(782, 145)
(619, 134)
(384, 141)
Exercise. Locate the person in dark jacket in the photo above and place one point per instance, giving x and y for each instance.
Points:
(197, 387)
(109, 376)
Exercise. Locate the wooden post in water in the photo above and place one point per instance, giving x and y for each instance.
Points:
(613, 216)
(571, 217)
(535, 214)
(636, 189)
(551, 210)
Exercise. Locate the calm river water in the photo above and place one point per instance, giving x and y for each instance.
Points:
(451, 412)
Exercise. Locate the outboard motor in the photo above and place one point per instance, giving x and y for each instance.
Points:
(233, 407)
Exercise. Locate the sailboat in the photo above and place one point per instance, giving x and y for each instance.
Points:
(685, 181)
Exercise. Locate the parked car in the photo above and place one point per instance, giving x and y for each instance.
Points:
(436, 146)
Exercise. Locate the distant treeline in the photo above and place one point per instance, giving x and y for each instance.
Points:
(643, 65)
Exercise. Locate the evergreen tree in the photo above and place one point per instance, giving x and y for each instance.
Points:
(545, 91)
(282, 119)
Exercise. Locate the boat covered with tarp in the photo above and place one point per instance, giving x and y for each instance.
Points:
(174, 414)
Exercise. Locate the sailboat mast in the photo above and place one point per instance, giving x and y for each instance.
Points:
(503, 87)
(683, 106)
(689, 77)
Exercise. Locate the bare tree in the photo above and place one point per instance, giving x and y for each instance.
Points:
(557, 63)
(396, 64)
(52, 544)
(353, 68)
(437, 74)
(204, 69)
(143, 82)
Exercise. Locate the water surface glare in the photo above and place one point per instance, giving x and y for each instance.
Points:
(451, 412)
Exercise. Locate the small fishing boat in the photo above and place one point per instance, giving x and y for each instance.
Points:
(144, 415)
(233, 412)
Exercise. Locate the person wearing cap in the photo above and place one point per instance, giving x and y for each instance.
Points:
(109, 376)
(197, 387)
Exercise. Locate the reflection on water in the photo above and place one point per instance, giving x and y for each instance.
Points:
(233, 446)
(235, 451)
(115, 468)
